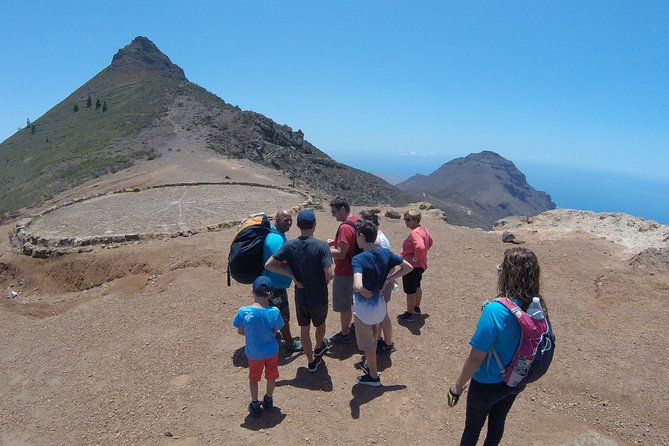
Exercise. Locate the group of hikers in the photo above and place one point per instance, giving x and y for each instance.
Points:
(363, 278)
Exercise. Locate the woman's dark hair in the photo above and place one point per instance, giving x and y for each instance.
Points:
(371, 216)
(519, 276)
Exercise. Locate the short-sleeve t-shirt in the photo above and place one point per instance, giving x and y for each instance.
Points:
(346, 234)
(416, 245)
(497, 327)
(273, 242)
(381, 240)
(374, 265)
(307, 258)
(259, 325)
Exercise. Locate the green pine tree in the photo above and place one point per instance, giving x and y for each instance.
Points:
(89, 102)
(76, 108)
(98, 104)
(32, 129)
(104, 106)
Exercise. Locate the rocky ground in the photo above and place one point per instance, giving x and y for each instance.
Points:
(134, 345)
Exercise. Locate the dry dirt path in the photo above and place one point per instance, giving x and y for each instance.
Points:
(128, 345)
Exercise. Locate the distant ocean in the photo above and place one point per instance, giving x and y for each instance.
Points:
(570, 188)
(602, 191)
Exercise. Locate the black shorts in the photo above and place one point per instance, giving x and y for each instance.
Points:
(411, 281)
(280, 301)
(311, 315)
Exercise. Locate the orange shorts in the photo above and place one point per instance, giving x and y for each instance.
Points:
(270, 364)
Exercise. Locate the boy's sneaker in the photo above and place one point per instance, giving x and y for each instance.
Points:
(320, 351)
(416, 310)
(254, 408)
(382, 347)
(341, 338)
(406, 316)
(295, 346)
(367, 380)
(362, 365)
(267, 402)
(313, 365)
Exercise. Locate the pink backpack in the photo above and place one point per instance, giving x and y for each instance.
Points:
(535, 351)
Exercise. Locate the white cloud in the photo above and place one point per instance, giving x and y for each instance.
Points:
(413, 153)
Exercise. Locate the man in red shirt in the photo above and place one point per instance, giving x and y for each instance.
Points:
(343, 249)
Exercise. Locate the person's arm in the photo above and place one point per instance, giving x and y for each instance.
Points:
(472, 363)
(329, 274)
(339, 252)
(405, 268)
(359, 288)
(238, 323)
(276, 266)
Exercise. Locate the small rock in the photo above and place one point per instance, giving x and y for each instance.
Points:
(508, 237)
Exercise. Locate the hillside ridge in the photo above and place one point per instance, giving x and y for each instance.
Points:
(488, 185)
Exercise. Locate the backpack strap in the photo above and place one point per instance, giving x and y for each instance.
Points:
(517, 312)
(355, 242)
(498, 360)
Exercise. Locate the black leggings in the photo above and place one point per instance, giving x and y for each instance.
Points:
(492, 401)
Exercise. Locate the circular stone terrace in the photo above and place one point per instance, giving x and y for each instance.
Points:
(157, 212)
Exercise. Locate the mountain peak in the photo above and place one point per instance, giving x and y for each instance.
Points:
(485, 183)
(143, 54)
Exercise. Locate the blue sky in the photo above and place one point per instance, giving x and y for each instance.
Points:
(399, 85)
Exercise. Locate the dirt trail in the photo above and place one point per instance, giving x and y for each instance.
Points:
(134, 345)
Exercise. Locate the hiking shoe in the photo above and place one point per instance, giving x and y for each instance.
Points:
(313, 365)
(416, 310)
(367, 380)
(267, 402)
(254, 408)
(295, 346)
(341, 338)
(382, 347)
(362, 365)
(320, 351)
(406, 316)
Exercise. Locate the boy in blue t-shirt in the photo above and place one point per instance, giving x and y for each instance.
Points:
(258, 324)
(371, 274)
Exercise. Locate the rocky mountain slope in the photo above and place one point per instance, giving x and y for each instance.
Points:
(123, 113)
(479, 189)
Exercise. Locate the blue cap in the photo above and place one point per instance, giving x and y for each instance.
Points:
(262, 286)
(306, 216)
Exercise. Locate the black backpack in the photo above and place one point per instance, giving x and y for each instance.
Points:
(245, 259)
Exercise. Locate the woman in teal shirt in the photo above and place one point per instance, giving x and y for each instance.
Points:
(489, 397)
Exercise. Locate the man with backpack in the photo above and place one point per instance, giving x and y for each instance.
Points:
(343, 248)
(273, 242)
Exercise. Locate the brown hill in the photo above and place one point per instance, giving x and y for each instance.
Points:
(479, 189)
(144, 100)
